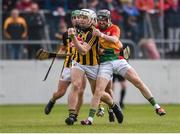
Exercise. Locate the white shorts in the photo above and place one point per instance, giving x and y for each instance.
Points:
(90, 71)
(66, 74)
(106, 69)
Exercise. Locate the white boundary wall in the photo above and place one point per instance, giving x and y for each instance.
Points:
(21, 82)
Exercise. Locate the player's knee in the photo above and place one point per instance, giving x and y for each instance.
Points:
(99, 87)
(77, 85)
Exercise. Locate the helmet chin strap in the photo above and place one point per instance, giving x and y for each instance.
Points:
(91, 21)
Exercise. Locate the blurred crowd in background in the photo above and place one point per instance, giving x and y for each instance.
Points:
(150, 27)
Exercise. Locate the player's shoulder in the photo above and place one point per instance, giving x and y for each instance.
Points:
(65, 35)
(115, 27)
(114, 30)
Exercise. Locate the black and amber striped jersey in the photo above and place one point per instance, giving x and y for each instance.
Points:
(15, 27)
(91, 58)
(70, 49)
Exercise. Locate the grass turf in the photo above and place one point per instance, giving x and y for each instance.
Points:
(138, 118)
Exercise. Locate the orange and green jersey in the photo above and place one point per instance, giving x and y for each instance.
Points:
(110, 48)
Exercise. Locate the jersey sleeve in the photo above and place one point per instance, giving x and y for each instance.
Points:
(7, 22)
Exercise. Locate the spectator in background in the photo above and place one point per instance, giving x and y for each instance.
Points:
(52, 5)
(163, 5)
(41, 3)
(15, 28)
(62, 28)
(130, 9)
(116, 9)
(149, 26)
(24, 5)
(93, 5)
(8, 5)
(132, 29)
(130, 18)
(65, 4)
(145, 7)
(149, 49)
(57, 13)
(36, 29)
(158, 19)
(75, 4)
(172, 23)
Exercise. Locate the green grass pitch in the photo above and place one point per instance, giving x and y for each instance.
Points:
(138, 118)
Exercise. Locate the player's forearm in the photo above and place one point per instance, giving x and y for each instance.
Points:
(113, 39)
(79, 46)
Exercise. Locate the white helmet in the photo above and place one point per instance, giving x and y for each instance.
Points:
(91, 16)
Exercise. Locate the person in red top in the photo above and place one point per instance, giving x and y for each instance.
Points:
(145, 5)
(163, 5)
(24, 5)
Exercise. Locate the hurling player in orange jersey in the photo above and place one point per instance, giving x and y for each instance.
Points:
(109, 34)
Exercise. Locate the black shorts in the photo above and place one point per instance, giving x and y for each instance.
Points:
(117, 77)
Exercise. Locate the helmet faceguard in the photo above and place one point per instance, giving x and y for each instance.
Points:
(75, 17)
(88, 18)
(104, 18)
